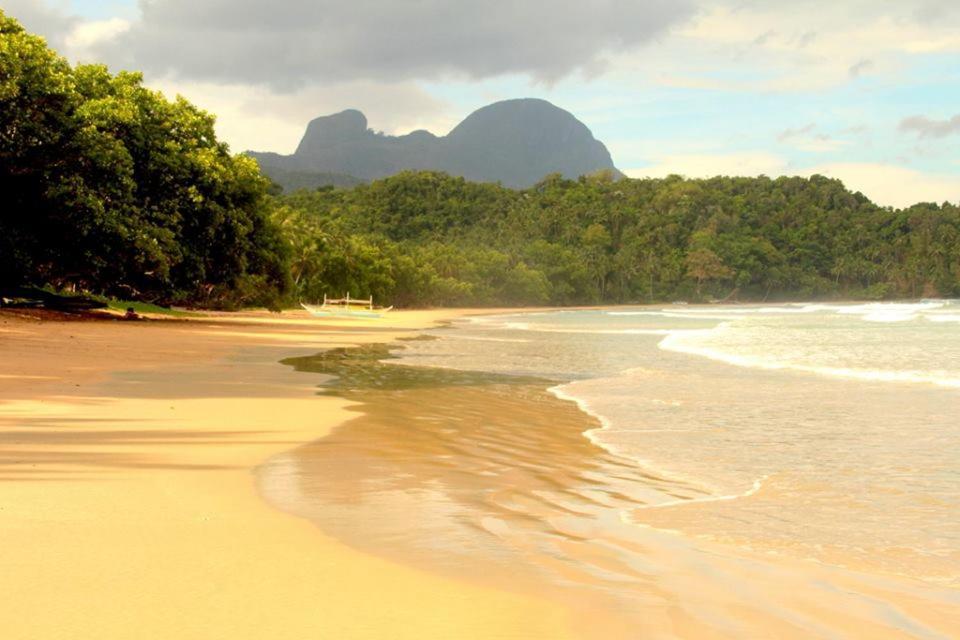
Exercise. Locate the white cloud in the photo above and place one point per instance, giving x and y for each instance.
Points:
(802, 45)
(892, 185)
(808, 138)
(37, 16)
(294, 43)
(259, 119)
(85, 36)
(926, 127)
(704, 165)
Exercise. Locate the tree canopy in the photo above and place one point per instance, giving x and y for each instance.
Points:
(111, 188)
(429, 238)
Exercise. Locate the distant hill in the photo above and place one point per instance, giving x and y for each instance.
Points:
(514, 142)
(294, 179)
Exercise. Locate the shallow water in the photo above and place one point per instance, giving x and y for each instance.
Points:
(787, 470)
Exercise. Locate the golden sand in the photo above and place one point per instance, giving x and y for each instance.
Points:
(129, 510)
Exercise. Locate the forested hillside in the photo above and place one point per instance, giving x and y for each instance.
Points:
(428, 238)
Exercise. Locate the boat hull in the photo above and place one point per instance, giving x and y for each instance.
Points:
(331, 312)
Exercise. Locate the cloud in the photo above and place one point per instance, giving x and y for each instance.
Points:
(925, 127)
(860, 68)
(38, 17)
(787, 134)
(298, 42)
(804, 45)
(258, 119)
(764, 37)
(806, 138)
(704, 165)
(806, 39)
(935, 10)
(892, 185)
(84, 38)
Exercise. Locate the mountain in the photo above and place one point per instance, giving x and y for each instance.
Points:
(514, 142)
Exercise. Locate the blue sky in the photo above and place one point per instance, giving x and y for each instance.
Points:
(865, 91)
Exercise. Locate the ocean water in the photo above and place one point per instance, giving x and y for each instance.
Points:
(846, 416)
(685, 471)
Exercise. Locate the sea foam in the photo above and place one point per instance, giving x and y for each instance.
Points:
(680, 342)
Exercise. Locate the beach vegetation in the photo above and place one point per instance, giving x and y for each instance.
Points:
(427, 238)
(113, 189)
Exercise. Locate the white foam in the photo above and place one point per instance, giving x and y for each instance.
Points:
(802, 308)
(675, 342)
(753, 490)
(887, 311)
(707, 312)
(675, 314)
(869, 312)
(889, 316)
(585, 407)
(595, 436)
(896, 307)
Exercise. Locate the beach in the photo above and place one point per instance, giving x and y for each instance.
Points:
(441, 474)
(592, 458)
(128, 500)
(700, 377)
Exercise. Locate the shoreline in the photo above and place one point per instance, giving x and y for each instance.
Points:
(527, 481)
(129, 505)
(148, 500)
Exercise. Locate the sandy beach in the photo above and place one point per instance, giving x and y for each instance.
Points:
(128, 503)
(259, 476)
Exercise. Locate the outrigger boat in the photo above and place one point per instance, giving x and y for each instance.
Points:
(346, 307)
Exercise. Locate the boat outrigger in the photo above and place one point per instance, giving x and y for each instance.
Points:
(346, 307)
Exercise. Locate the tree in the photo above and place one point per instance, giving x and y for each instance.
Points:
(703, 265)
(37, 100)
(111, 188)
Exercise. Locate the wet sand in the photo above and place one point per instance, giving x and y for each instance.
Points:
(128, 506)
(491, 480)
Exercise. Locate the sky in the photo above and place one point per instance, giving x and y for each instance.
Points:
(867, 91)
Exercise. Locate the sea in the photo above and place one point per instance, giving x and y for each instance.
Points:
(685, 470)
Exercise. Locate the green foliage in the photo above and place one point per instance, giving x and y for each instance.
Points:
(430, 239)
(111, 188)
